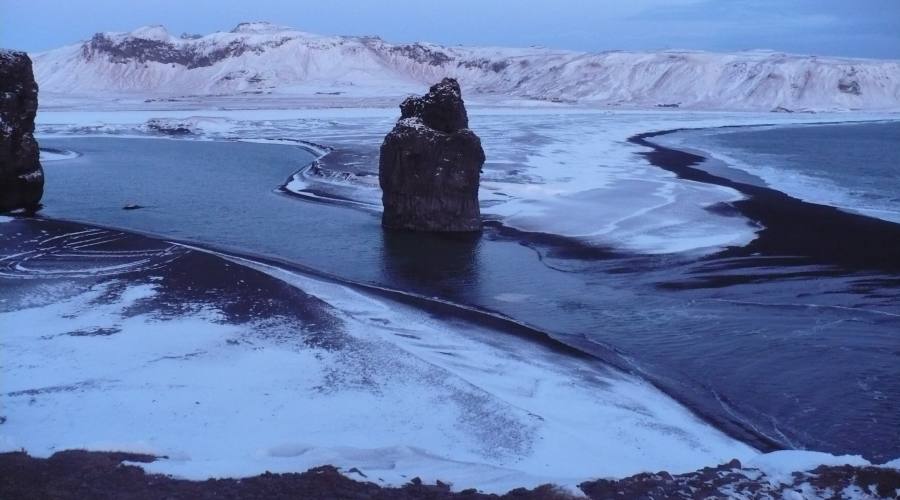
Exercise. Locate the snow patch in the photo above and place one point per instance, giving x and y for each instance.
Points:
(779, 466)
(156, 32)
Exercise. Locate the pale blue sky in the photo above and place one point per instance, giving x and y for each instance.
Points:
(861, 28)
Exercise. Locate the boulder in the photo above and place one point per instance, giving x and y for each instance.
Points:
(430, 165)
(21, 175)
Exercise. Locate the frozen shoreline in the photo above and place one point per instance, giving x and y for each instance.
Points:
(554, 163)
(808, 177)
(202, 367)
(314, 181)
(493, 418)
(820, 233)
(114, 473)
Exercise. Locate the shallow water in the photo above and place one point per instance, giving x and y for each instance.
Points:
(776, 355)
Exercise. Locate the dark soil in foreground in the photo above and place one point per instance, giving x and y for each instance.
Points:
(79, 474)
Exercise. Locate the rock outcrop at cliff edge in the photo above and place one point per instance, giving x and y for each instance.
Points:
(430, 165)
(21, 175)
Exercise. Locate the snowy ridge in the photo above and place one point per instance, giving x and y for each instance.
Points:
(261, 58)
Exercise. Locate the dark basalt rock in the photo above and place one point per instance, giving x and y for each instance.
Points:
(135, 49)
(21, 175)
(430, 165)
(849, 87)
(421, 54)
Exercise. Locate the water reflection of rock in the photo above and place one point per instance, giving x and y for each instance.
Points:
(445, 264)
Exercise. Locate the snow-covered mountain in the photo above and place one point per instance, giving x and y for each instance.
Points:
(265, 58)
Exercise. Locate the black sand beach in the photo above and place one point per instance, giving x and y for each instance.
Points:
(443, 276)
(796, 231)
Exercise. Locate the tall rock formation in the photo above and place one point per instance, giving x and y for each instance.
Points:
(21, 175)
(430, 165)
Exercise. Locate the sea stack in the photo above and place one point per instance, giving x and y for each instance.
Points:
(21, 175)
(430, 165)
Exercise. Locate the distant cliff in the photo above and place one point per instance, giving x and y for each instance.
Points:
(263, 58)
(21, 175)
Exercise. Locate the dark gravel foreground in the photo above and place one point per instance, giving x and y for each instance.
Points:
(77, 474)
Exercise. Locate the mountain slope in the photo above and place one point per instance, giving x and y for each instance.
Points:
(264, 58)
